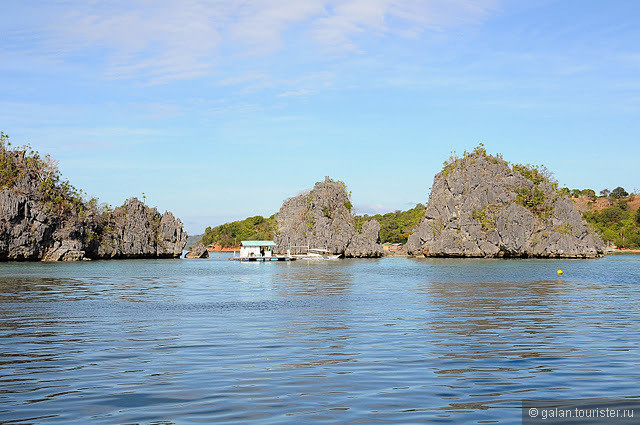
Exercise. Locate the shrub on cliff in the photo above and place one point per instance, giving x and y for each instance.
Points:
(24, 170)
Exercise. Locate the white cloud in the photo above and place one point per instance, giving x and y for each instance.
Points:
(160, 40)
(373, 209)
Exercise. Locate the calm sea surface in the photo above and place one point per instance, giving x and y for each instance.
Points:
(393, 340)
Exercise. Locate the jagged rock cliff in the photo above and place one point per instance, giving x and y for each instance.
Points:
(29, 232)
(322, 219)
(42, 218)
(24, 227)
(136, 231)
(480, 206)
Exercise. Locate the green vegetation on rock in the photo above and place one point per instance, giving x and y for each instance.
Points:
(534, 198)
(537, 174)
(395, 227)
(231, 234)
(25, 170)
(487, 216)
(454, 160)
(576, 193)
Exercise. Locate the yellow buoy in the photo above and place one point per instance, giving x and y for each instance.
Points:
(560, 272)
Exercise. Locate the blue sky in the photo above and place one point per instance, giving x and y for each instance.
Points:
(221, 109)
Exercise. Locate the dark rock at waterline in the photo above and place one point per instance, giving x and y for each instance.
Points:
(322, 219)
(67, 250)
(480, 206)
(200, 251)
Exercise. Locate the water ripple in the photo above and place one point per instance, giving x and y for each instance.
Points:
(385, 341)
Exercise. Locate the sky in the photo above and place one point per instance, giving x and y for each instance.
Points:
(218, 110)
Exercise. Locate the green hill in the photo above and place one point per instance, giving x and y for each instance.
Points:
(619, 224)
(615, 214)
(395, 227)
(230, 234)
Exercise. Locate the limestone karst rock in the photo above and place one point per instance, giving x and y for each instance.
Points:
(135, 230)
(42, 218)
(322, 219)
(367, 242)
(480, 206)
(29, 232)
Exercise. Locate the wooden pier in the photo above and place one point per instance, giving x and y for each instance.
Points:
(263, 259)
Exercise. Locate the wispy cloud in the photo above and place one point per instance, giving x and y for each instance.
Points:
(348, 19)
(163, 40)
(301, 92)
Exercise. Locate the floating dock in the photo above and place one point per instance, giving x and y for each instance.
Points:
(263, 259)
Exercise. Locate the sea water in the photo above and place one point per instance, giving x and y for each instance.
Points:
(391, 340)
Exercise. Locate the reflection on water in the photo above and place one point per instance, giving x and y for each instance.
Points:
(393, 340)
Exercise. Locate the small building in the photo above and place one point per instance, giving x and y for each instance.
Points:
(256, 249)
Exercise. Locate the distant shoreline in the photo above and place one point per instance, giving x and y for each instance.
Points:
(223, 249)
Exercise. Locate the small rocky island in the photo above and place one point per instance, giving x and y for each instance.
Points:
(45, 218)
(481, 206)
(199, 251)
(322, 219)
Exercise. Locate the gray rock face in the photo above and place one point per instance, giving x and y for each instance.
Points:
(480, 207)
(26, 231)
(29, 232)
(43, 218)
(200, 251)
(136, 231)
(366, 243)
(322, 219)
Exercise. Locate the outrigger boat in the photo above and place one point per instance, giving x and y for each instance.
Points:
(317, 254)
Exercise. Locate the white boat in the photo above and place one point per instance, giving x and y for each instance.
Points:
(317, 254)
